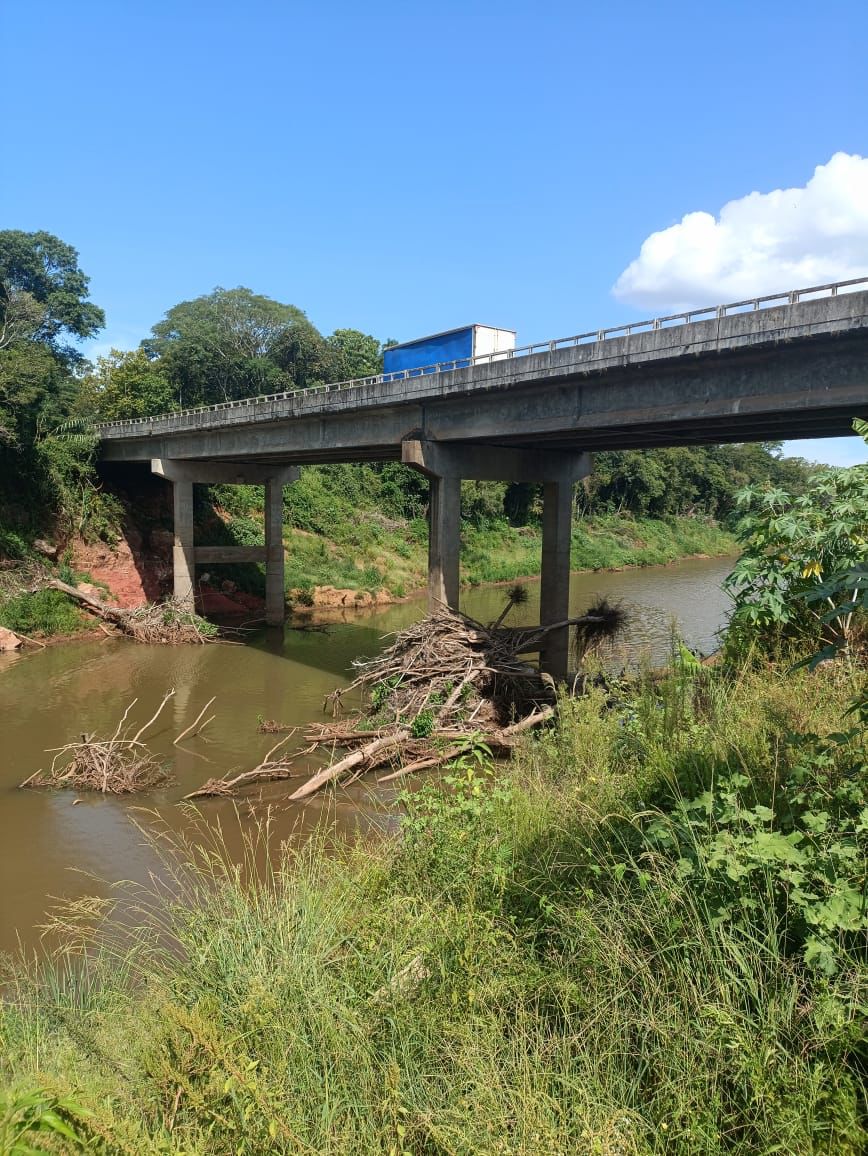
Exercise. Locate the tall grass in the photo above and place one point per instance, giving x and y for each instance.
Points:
(519, 970)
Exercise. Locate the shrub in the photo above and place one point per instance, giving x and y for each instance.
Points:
(239, 501)
(12, 546)
(791, 547)
(43, 612)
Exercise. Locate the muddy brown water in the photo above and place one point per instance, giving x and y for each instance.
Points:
(57, 845)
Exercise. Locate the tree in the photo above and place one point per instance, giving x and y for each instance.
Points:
(31, 393)
(125, 384)
(303, 355)
(43, 294)
(231, 343)
(43, 304)
(44, 479)
(687, 480)
(354, 354)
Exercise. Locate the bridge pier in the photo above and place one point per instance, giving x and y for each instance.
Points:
(445, 465)
(183, 559)
(275, 568)
(183, 475)
(444, 541)
(554, 595)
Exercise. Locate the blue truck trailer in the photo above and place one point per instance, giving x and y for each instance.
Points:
(451, 349)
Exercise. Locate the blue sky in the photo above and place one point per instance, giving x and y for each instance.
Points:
(401, 168)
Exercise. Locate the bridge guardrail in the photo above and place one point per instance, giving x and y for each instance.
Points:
(687, 317)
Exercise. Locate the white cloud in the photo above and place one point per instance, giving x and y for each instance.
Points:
(761, 243)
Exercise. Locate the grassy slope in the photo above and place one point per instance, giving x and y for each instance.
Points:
(341, 529)
(507, 977)
(360, 548)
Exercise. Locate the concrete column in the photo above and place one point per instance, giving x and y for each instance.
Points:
(275, 590)
(182, 551)
(555, 575)
(444, 541)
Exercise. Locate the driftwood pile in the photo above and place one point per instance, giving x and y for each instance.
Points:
(445, 685)
(119, 765)
(167, 622)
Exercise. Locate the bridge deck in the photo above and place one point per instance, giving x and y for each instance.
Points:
(752, 371)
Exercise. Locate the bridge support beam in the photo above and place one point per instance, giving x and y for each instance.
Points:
(275, 590)
(183, 561)
(554, 594)
(446, 465)
(444, 541)
(183, 475)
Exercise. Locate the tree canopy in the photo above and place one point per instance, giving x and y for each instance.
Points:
(43, 293)
(124, 384)
(43, 306)
(233, 343)
(354, 354)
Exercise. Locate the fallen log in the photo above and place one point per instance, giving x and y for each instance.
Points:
(366, 754)
(9, 640)
(156, 622)
(501, 741)
(266, 771)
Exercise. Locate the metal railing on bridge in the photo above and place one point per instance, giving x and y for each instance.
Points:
(687, 317)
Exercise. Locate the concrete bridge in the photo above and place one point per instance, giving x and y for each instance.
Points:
(787, 366)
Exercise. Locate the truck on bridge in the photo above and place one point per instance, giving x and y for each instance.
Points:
(452, 349)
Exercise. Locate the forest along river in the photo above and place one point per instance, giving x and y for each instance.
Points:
(57, 844)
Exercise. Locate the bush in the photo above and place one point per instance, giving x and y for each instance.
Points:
(70, 487)
(12, 546)
(43, 612)
(239, 501)
(245, 531)
(791, 547)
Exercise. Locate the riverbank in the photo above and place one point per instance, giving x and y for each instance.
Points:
(370, 562)
(386, 556)
(548, 959)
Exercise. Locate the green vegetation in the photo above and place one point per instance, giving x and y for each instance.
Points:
(234, 343)
(337, 534)
(646, 935)
(125, 384)
(27, 1116)
(362, 527)
(43, 311)
(802, 578)
(44, 612)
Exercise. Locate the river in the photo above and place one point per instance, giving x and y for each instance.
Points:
(56, 844)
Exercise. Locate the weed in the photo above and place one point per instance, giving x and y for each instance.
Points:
(43, 612)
